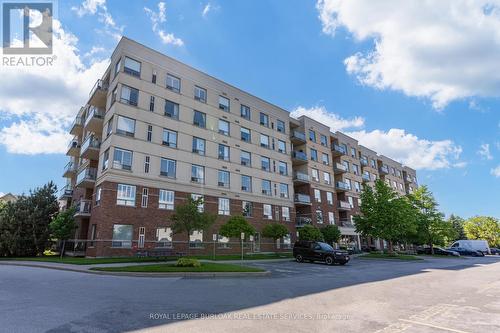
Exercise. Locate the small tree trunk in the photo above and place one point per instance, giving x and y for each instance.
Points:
(62, 248)
(432, 248)
(391, 251)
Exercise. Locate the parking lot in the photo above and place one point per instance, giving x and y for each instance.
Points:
(432, 295)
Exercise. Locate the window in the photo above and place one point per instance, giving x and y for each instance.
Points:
(169, 138)
(247, 208)
(173, 83)
(265, 163)
(314, 155)
(132, 67)
(166, 199)
(351, 201)
(315, 174)
(355, 169)
(285, 213)
(152, 103)
(373, 163)
(331, 218)
(118, 66)
(267, 211)
(198, 146)
(109, 127)
(266, 187)
(98, 192)
(246, 183)
(223, 152)
(400, 186)
(223, 206)
(264, 119)
(153, 78)
(264, 141)
(129, 95)
(327, 178)
(394, 184)
(149, 135)
(287, 242)
(196, 239)
(105, 159)
(245, 158)
(223, 127)
(197, 173)
(317, 195)
(245, 134)
(224, 103)
(245, 111)
(348, 183)
(357, 187)
(146, 164)
(122, 159)
(163, 237)
(200, 119)
(283, 190)
(312, 135)
(168, 167)
(280, 126)
(329, 198)
(125, 126)
(200, 94)
(201, 205)
(171, 109)
(144, 197)
(346, 164)
(393, 171)
(125, 195)
(223, 242)
(319, 216)
(122, 235)
(283, 168)
(282, 146)
(323, 140)
(325, 158)
(353, 152)
(223, 178)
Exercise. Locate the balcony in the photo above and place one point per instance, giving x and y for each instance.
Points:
(83, 208)
(66, 192)
(90, 148)
(70, 170)
(73, 148)
(299, 157)
(383, 170)
(342, 187)
(339, 168)
(94, 120)
(363, 162)
(408, 179)
(98, 94)
(298, 138)
(344, 205)
(301, 221)
(77, 126)
(302, 199)
(86, 178)
(301, 178)
(366, 177)
(346, 223)
(338, 150)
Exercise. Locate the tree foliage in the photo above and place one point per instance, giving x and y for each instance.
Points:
(457, 223)
(483, 227)
(310, 233)
(331, 233)
(275, 231)
(188, 218)
(63, 227)
(235, 226)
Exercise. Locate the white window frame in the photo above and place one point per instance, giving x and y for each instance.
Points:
(267, 211)
(224, 206)
(166, 199)
(125, 195)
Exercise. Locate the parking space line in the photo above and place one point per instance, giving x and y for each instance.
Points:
(433, 326)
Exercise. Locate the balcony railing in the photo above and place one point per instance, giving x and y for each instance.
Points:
(70, 167)
(344, 205)
(77, 122)
(339, 149)
(94, 113)
(99, 85)
(366, 177)
(384, 169)
(302, 221)
(300, 176)
(302, 198)
(89, 174)
(91, 142)
(300, 136)
(342, 186)
(83, 207)
(66, 192)
(346, 223)
(299, 155)
(74, 143)
(339, 167)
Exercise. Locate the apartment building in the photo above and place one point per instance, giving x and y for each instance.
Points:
(155, 131)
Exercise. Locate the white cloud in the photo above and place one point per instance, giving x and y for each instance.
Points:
(158, 18)
(206, 9)
(496, 171)
(484, 151)
(99, 8)
(37, 103)
(334, 121)
(441, 50)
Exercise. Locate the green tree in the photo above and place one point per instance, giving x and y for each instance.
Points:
(483, 227)
(235, 226)
(457, 224)
(331, 233)
(385, 215)
(275, 231)
(188, 218)
(310, 233)
(63, 227)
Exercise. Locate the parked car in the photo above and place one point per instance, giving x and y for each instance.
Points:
(437, 250)
(467, 252)
(319, 251)
(477, 244)
(495, 250)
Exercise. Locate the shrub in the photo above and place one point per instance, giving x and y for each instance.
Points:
(186, 262)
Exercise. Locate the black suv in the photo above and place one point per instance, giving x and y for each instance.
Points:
(319, 251)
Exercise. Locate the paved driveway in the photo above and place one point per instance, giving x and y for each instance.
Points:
(435, 295)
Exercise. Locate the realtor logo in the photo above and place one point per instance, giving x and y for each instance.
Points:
(27, 27)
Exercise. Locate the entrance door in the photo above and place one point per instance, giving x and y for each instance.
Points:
(256, 246)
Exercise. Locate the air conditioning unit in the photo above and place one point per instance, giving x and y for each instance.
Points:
(244, 188)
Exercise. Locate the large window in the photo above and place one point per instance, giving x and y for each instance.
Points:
(198, 146)
(319, 216)
(331, 218)
(314, 155)
(200, 94)
(129, 95)
(197, 173)
(200, 119)
(285, 213)
(247, 208)
(315, 174)
(223, 152)
(245, 134)
(196, 239)
(125, 195)
(267, 211)
(265, 163)
(171, 109)
(312, 135)
(223, 206)
(317, 195)
(329, 198)
(223, 178)
(168, 167)
(173, 83)
(223, 127)
(264, 119)
(355, 169)
(224, 103)
(284, 190)
(169, 138)
(323, 140)
(266, 187)
(325, 158)
(163, 237)
(122, 159)
(327, 178)
(245, 111)
(264, 141)
(283, 168)
(282, 146)
(125, 126)
(246, 158)
(132, 67)
(122, 235)
(166, 199)
(246, 183)
(280, 126)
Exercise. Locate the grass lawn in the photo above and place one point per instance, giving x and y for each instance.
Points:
(162, 268)
(91, 261)
(405, 257)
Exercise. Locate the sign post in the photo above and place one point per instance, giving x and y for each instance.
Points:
(214, 237)
(242, 238)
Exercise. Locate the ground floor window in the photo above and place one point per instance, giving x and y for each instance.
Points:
(163, 237)
(122, 235)
(196, 239)
(287, 242)
(223, 242)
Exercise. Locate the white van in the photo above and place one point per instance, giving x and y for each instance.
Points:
(478, 245)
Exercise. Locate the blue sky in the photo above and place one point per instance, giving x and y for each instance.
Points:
(429, 100)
